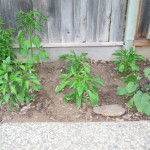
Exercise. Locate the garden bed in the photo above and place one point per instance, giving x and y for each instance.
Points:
(49, 106)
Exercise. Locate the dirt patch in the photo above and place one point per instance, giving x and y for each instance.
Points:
(49, 106)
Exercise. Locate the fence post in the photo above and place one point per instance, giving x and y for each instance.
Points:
(131, 19)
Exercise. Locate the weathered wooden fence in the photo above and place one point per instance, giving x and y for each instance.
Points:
(143, 22)
(73, 21)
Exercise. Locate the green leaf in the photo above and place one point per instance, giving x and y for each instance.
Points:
(78, 101)
(36, 58)
(118, 53)
(147, 110)
(134, 67)
(6, 97)
(13, 89)
(73, 70)
(141, 100)
(20, 97)
(130, 78)
(4, 89)
(69, 96)
(36, 81)
(26, 46)
(121, 68)
(30, 60)
(36, 88)
(65, 76)
(98, 80)
(36, 40)
(64, 57)
(22, 67)
(27, 84)
(121, 91)
(131, 87)
(93, 97)
(61, 86)
(80, 88)
(86, 67)
(147, 73)
(130, 103)
(43, 54)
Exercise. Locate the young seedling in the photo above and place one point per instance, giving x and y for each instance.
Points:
(138, 92)
(82, 85)
(29, 41)
(17, 82)
(126, 61)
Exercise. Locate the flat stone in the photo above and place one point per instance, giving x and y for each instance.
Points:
(109, 110)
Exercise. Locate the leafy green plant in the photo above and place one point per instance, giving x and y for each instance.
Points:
(29, 41)
(6, 42)
(137, 91)
(18, 81)
(82, 85)
(126, 61)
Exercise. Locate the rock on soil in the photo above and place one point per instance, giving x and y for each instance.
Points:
(109, 110)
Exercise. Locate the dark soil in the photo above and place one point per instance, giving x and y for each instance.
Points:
(49, 106)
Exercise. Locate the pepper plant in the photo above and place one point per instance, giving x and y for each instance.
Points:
(126, 61)
(18, 81)
(137, 89)
(6, 42)
(28, 39)
(78, 78)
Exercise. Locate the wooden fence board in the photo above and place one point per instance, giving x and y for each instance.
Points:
(144, 19)
(103, 21)
(80, 20)
(92, 10)
(117, 20)
(42, 7)
(73, 21)
(54, 21)
(67, 21)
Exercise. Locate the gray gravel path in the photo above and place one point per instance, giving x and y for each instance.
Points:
(75, 136)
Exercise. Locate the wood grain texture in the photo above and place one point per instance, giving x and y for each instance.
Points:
(144, 19)
(9, 9)
(73, 21)
(42, 6)
(141, 42)
(67, 21)
(92, 11)
(54, 21)
(80, 20)
(103, 20)
(117, 20)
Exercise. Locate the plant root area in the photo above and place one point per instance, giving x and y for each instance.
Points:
(50, 107)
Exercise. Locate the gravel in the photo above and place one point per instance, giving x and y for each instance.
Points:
(75, 136)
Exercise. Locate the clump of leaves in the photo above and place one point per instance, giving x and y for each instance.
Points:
(6, 42)
(29, 40)
(137, 91)
(17, 82)
(83, 86)
(126, 61)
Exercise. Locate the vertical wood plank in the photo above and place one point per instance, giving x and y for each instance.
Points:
(144, 19)
(67, 21)
(92, 11)
(148, 34)
(42, 6)
(80, 20)
(103, 21)
(117, 20)
(9, 9)
(54, 21)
